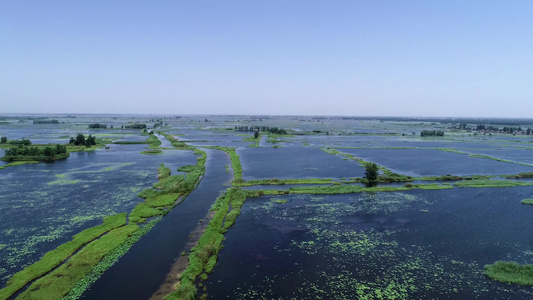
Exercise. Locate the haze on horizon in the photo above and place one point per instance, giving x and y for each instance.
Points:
(363, 58)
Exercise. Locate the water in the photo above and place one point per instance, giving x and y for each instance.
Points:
(410, 245)
(142, 270)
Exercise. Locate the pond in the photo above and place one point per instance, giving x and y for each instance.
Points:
(290, 163)
(430, 162)
(408, 245)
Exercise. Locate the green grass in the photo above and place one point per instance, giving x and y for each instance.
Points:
(278, 201)
(510, 272)
(18, 163)
(254, 141)
(163, 172)
(527, 201)
(174, 141)
(55, 257)
(490, 183)
(152, 151)
(59, 282)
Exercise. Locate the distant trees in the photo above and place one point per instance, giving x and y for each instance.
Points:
(45, 122)
(3, 140)
(371, 174)
(97, 125)
(22, 152)
(81, 140)
(432, 133)
(273, 130)
(256, 134)
(135, 126)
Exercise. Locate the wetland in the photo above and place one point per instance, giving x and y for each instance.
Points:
(195, 207)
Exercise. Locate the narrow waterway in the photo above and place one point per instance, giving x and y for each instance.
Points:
(143, 269)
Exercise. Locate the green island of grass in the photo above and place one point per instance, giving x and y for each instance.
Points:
(510, 272)
(527, 201)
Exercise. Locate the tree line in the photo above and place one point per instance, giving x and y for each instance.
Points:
(432, 133)
(273, 130)
(25, 152)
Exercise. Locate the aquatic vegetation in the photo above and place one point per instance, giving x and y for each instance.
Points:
(510, 272)
(527, 201)
(55, 257)
(18, 163)
(490, 183)
(253, 139)
(278, 201)
(152, 151)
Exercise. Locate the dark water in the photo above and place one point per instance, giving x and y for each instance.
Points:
(409, 245)
(142, 270)
(287, 163)
(429, 162)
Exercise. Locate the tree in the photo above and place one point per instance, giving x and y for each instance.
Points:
(3, 140)
(371, 174)
(80, 140)
(256, 134)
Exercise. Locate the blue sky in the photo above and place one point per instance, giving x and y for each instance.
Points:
(368, 58)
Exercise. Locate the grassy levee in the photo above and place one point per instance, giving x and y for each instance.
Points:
(235, 162)
(18, 163)
(490, 183)
(55, 257)
(203, 257)
(349, 189)
(174, 141)
(152, 141)
(162, 197)
(59, 282)
(510, 272)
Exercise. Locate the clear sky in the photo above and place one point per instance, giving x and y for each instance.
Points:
(368, 58)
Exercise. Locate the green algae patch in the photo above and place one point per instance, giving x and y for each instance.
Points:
(63, 181)
(18, 163)
(491, 183)
(510, 272)
(278, 201)
(55, 257)
(59, 282)
(152, 151)
(527, 201)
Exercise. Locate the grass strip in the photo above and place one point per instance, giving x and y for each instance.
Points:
(490, 183)
(55, 257)
(510, 272)
(59, 282)
(109, 260)
(18, 163)
(152, 151)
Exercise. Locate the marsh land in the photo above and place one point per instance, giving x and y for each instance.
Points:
(244, 207)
